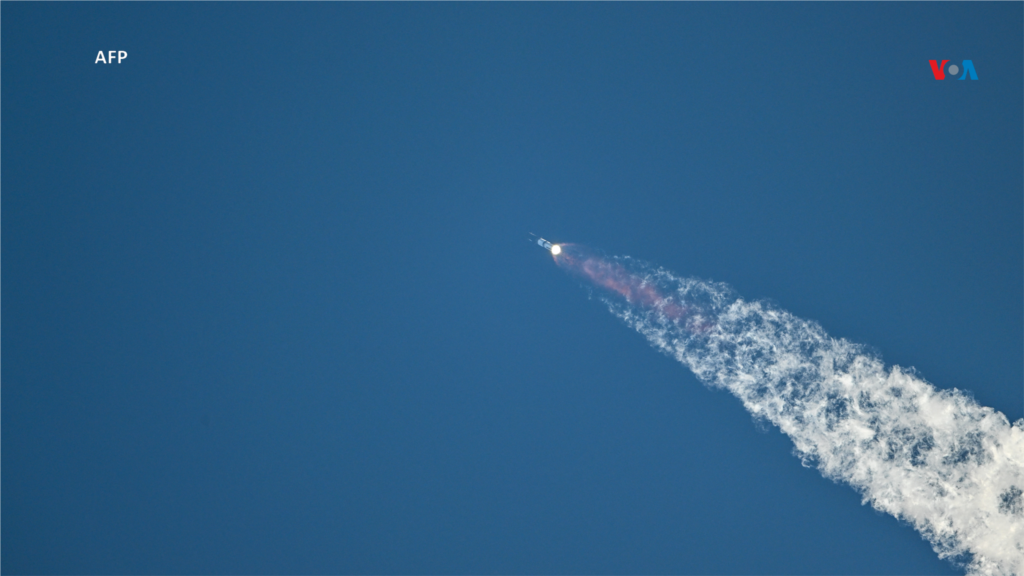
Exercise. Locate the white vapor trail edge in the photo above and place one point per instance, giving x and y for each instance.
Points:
(936, 459)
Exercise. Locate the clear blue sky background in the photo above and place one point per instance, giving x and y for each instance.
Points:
(268, 307)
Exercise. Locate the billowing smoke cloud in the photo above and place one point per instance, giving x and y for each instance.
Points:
(934, 458)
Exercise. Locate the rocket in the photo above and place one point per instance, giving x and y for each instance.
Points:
(555, 249)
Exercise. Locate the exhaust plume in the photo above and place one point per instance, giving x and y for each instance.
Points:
(935, 459)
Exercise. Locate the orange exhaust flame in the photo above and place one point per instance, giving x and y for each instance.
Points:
(614, 277)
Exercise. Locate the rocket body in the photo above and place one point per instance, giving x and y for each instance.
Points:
(555, 249)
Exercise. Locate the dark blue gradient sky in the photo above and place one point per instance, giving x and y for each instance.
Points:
(268, 307)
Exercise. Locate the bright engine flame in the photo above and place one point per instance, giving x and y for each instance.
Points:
(556, 249)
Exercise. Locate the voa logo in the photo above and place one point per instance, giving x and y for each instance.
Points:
(939, 70)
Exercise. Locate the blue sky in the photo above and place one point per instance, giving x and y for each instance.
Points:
(268, 307)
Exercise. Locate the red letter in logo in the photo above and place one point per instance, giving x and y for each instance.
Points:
(939, 69)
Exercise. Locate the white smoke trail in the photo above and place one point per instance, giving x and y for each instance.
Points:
(936, 459)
